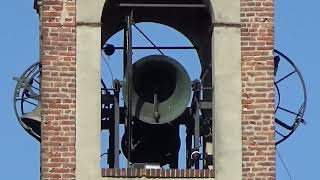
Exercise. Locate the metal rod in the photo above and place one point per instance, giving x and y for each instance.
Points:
(288, 111)
(283, 124)
(280, 133)
(204, 145)
(162, 5)
(156, 114)
(35, 88)
(197, 128)
(128, 53)
(30, 102)
(24, 98)
(37, 81)
(276, 64)
(111, 148)
(188, 148)
(125, 32)
(162, 47)
(285, 77)
(116, 129)
(145, 36)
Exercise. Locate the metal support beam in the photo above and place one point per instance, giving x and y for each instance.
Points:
(188, 149)
(111, 148)
(146, 5)
(196, 140)
(161, 47)
(116, 129)
(196, 116)
(128, 74)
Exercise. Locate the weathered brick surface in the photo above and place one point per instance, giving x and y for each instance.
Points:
(257, 39)
(58, 89)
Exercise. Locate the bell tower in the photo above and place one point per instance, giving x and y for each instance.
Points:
(228, 111)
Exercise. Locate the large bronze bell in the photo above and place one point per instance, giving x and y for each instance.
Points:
(33, 121)
(161, 89)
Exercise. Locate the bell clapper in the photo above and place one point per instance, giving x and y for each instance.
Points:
(156, 113)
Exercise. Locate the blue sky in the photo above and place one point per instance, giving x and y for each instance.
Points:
(297, 34)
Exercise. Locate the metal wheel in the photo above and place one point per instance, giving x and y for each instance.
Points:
(291, 97)
(27, 95)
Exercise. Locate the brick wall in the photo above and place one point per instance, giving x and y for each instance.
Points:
(58, 90)
(257, 37)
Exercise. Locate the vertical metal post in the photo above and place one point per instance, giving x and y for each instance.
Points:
(125, 42)
(188, 149)
(111, 155)
(197, 129)
(128, 74)
(116, 128)
(196, 140)
(204, 146)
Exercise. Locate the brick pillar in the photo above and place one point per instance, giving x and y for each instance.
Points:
(257, 40)
(58, 89)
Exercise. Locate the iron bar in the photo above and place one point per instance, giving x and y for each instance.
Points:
(288, 111)
(159, 47)
(125, 32)
(128, 53)
(145, 36)
(285, 77)
(111, 149)
(24, 98)
(283, 124)
(280, 133)
(36, 81)
(276, 64)
(30, 103)
(35, 88)
(197, 128)
(204, 161)
(154, 5)
(188, 148)
(196, 116)
(279, 96)
(116, 129)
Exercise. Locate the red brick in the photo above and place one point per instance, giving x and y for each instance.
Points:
(56, 73)
(258, 91)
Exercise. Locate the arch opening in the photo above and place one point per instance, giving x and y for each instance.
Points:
(154, 27)
(111, 68)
